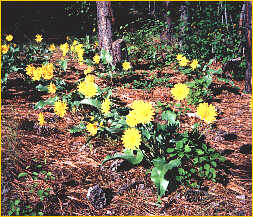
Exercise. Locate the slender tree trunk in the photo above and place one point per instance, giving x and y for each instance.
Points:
(104, 17)
(248, 47)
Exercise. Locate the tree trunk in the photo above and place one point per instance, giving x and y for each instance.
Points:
(248, 47)
(169, 9)
(184, 20)
(104, 19)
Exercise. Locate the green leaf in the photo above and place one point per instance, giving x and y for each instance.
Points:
(207, 167)
(169, 116)
(128, 155)
(199, 152)
(35, 173)
(146, 133)
(170, 150)
(41, 88)
(16, 202)
(187, 149)
(64, 65)
(22, 174)
(42, 103)
(92, 102)
(40, 192)
(158, 172)
(78, 128)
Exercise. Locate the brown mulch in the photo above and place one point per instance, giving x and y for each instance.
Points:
(24, 146)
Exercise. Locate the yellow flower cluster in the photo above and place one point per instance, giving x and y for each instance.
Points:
(9, 37)
(142, 112)
(38, 38)
(45, 71)
(87, 88)
(78, 49)
(131, 138)
(92, 128)
(206, 112)
(183, 61)
(60, 108)
(41, 119)
(96, 58)
(180, 91)
(105, 107)
(126, 65)
(64, 48)
(4, 48)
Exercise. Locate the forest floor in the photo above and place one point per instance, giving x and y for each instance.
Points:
(69, 172)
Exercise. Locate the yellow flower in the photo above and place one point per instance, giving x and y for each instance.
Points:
(94, 30)
(180, 91)
(51, 88)
(92, 128)
(51, 47)
(60, 108)
(194, 64)
(48, 71)
(9, 38)
(131, 119)
(179, 57)
(88, 89)
(75, 42)
(142, 111)
(29, 70)
(126, 65)
(79, 48)
(92, 118)
(105, 107)
(206, 112)
(4, 48)
(90, 78)
(131, 138)
(183, 61)
(64, 48)
(41, 119)
(96, 58)
(37, 73)
(67, 38)
(88, 70)
(38, 38)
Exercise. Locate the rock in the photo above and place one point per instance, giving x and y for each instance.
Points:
(97, 197)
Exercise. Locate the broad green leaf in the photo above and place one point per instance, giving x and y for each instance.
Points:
(41, 88)
(42, 103)
(92, 102)
(169, 116)
(128, 155)
(78, 128)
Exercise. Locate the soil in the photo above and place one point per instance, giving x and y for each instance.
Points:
(128, 189)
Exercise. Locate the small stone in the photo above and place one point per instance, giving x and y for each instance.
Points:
(241, 197)
(97, 197)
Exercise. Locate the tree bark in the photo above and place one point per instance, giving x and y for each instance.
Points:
(248, 47)
(104, 19)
